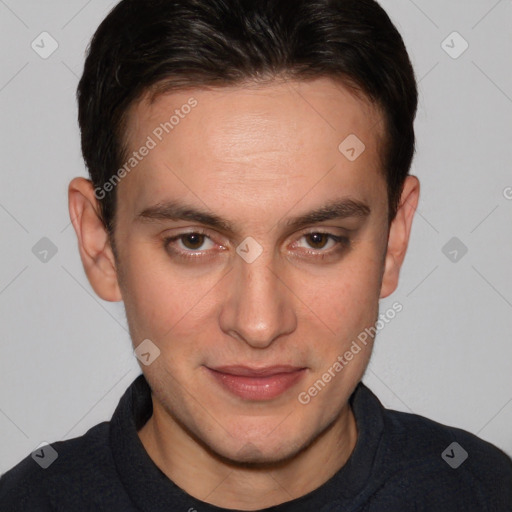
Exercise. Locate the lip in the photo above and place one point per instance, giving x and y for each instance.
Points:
(258, 384)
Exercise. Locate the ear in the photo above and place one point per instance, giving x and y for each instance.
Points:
(398, 237)
(95, 250)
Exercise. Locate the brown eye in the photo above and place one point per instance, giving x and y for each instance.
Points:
(317, 240)
(193, 244)
(192, 241)
(318, 243)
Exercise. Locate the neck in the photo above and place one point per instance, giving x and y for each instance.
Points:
(210, 478)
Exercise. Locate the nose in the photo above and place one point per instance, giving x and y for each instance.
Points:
(258, 308)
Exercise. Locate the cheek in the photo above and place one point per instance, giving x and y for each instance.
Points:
(346, 297)
(342, 306)
(162, 299)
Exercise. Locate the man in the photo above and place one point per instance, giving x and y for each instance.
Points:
(250, 202)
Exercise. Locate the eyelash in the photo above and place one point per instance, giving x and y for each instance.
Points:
(342, 243)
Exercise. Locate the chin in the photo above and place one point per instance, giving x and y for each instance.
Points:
(262, 450)
(264, 455)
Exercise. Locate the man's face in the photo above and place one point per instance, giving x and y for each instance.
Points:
(258, 158)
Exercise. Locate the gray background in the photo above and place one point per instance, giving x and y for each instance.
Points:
(66, 356)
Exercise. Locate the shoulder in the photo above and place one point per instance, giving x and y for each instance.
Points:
(72, 466)
(447, 465)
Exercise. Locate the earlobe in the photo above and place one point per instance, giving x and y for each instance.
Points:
(399, 234)
(94, 246)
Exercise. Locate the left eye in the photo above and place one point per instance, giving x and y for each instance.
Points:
(194, 242)
(320, 241)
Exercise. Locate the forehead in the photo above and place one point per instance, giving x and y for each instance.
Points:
(253, 143)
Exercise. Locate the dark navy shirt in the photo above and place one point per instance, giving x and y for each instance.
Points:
(401, 462)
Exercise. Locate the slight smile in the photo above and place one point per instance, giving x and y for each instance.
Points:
(257, 384)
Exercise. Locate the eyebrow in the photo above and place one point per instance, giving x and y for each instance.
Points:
(176, 210)
(333, 210)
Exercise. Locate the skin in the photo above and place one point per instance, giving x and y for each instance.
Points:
(257, 156)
